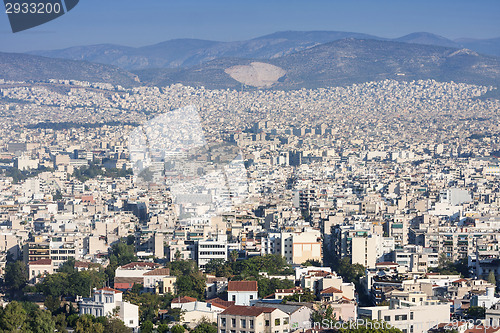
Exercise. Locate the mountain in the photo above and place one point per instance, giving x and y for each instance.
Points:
(23, 67)
(427, 38)
(341, 62)
(189, 52)
(178, 53)
(486, 46)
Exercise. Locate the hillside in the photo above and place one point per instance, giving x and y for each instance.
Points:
(344, 62)
(23, 67)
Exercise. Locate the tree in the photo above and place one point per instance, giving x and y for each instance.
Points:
(177, 255)
(268, 286)
(16, 275)
(52, 303)
(147, 327)
(218, 267)
(312, 262)
(86, 324)
(163, 328)
(177, 329)
(192, 285)
(68, 266)
(475, 312)
(491, 278)
(234, 255)
(136, 288)
(123, 252)
(349, 273)
(60, 322)
(205, 327)
(14, 317)
(115, 325)
(41, 322)
(323, 314)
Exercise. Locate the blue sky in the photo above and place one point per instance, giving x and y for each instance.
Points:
(143, 22)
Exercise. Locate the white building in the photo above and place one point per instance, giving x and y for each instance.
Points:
(242, 292)
(410, 317)
(108, 302)
(212, 249)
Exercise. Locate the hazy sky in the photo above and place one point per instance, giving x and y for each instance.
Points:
(143, 22)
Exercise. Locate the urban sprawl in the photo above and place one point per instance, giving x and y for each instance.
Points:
(251, 211)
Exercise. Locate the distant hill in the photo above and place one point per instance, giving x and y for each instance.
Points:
(426, 38)
(23, 67)
(486, 46)
(190, 52)
(344, 62)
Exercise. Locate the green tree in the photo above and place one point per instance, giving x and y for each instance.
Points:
(147, 327)
(268, 286)
(491, 278)
(123, 252)
(115, 325)
(205, 327)
(311, 262)
(323, 314)
(349, 272)
(177, 329)
(192, 285)
(234, 255)
(16, 275)
(475, 312)
(60, 322)
(41, 322)
(52, 303)
(14, 317)
(86, 324)
(68, 266)
(163, 328)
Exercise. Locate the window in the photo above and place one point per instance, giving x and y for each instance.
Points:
(411, 329)
(131, 322)
(251, 296)
(277, 322)
(223, 321)
(411, 315)
(387, 318)
(285, 321)
(222, 331)
(251, 323)
(267, 322)
(234, 298)
(243, 323)
(233, 322)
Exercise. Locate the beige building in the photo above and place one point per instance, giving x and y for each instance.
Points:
(252, 319)
(417, 317)
(39, 268)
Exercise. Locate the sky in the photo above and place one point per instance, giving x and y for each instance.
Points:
(145, 22)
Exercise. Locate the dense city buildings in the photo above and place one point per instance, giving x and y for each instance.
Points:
(259, 210)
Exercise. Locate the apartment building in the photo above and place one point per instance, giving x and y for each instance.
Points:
(253, 319)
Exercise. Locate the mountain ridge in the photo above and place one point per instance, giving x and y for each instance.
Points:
(187, 52)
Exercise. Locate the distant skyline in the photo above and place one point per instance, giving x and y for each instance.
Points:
(144, 22)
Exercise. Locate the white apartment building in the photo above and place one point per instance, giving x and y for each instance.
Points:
(108, 302)
(242, 292)
(410, 317)
(212, 249)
